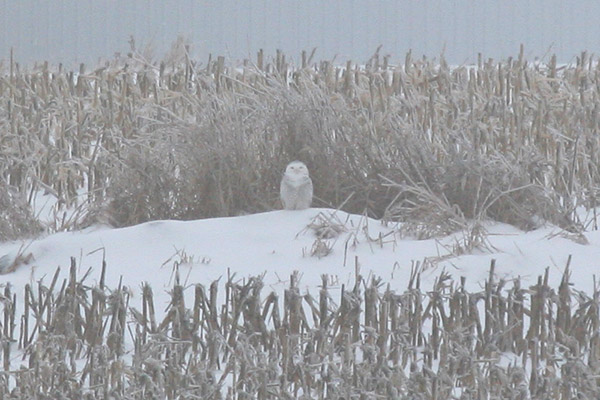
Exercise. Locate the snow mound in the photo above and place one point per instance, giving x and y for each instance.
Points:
(275, 244)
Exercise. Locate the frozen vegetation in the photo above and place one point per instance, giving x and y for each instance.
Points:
(450, 252)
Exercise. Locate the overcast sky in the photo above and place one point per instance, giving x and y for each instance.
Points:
(73, 31)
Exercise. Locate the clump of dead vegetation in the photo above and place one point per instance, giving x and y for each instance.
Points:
(16, 217)
(327, 225)
(434, 146)
(70, 339)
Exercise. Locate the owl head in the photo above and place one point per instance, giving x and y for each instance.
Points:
(296, 169)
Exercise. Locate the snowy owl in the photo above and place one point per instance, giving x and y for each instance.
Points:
(296, 188)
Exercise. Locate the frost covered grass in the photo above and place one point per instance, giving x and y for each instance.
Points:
(437, 147)
(75, 340)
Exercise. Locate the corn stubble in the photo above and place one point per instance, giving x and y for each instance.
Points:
(371, 342)
(432, 146)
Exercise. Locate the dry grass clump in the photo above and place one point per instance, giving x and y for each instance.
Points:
(16, 218)
(327, 225)
(439, 197)
(70, 340)
(225, 163)
(420, 142)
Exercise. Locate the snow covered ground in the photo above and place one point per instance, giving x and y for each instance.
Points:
(277, 243)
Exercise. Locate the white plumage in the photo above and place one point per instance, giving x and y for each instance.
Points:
(296, 188)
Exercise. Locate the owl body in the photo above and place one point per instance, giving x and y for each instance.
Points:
(296, 189)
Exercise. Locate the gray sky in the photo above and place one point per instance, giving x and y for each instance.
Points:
(73, 31)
